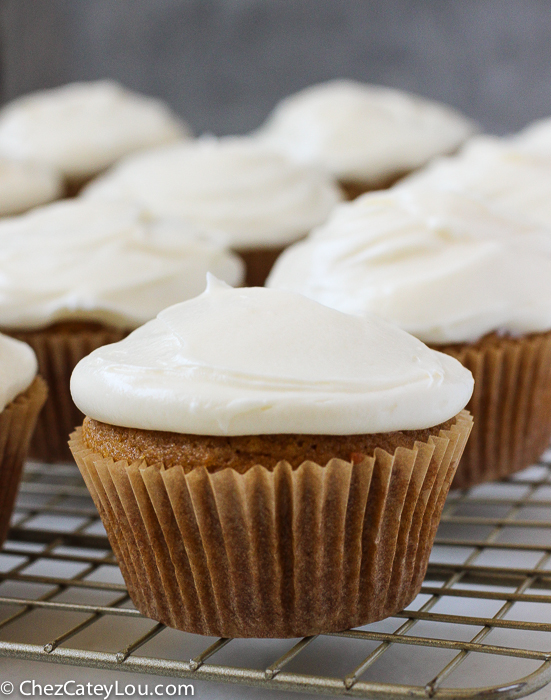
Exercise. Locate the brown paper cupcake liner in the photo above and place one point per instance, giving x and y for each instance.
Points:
(17, 422)
(275, 553)
(58, 349)
(511, 405)
(258, 263)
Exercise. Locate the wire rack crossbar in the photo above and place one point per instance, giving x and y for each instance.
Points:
(58, 526)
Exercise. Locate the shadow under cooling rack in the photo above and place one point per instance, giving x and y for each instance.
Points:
(480, 628)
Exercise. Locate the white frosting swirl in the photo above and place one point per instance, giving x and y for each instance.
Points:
(535, 138)
(26, 185)
(441, 266)
(257, 361)
(364, 132)
(258, 197)
(510, 179)
(18, 367)
(82, 128)
(105, 262)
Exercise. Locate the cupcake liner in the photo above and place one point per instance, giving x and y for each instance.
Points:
(258, 263)
(511, 405)
(17, 422)
(58, 350)
(275, 553)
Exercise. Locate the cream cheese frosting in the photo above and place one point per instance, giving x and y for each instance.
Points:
(257, 196)
(105, 262)
(256, 361)
(502, 173)
(443, 267)
(25, 185)
(82, 128)
(535, 138)
(363, 132)
(18, 367)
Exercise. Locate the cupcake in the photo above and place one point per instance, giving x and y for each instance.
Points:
(75, 275)
(81, 129)
(22, 395)
(465, 281)
(367, 136)
(258, 198)
(274, 468)
(505, 176)
(26, 185)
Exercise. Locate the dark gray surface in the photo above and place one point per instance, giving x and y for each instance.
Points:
(223, 64)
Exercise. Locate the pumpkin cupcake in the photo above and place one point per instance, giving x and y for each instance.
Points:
(80, 129)
(367, 136)
(75, 275)
(257, 197)
(22, 395)
(464, 280)
(266, 466)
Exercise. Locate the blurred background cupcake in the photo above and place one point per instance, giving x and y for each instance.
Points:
(22, 395)
(82, 128)
(461, 278)
(366, 136)
(258, 197)
(75, 275)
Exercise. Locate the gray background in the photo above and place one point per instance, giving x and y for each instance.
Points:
(223, 64)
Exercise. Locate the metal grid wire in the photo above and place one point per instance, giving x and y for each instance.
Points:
(485, 605)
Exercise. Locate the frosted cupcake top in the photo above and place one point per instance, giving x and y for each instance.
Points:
(536, 138)
(258, 197)
(363, 132)
(104, 262)
(256, 361)
(82, 128)
(26, 185)
(442, 267)
(18, 367)
(509, 178)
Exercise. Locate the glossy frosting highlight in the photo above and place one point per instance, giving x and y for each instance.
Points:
(104, 262)
(256, 361)
(362, 132)
(443, 267)
(82, 128)
(255, 195)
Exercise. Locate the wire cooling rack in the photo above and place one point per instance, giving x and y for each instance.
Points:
(484, 611)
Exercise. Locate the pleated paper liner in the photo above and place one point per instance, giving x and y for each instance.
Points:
(58, 349)
(17, 422)
(275, 553)
(511, 405)
(258, 263)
